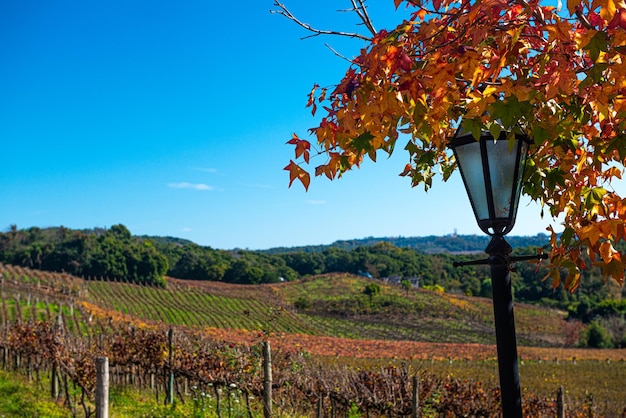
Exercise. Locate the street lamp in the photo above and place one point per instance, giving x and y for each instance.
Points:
(492, 171)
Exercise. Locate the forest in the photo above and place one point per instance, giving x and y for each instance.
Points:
(115, 254)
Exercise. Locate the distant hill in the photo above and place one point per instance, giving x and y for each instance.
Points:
(451, 244)
(165, 240)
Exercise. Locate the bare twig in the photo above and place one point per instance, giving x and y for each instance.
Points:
(583, 19)
(339, 54)
(360, 10)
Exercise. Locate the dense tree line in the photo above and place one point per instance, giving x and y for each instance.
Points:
(115, 254)
(429, 244)
(99, 253)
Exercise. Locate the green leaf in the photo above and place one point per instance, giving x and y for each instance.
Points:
(594, 75)
(510, 111)
(495, 129)
(411, 147)
(474, 126)
(539, 134)
(592, 196)
(597, 44)
(555, 177)
(363, 143)
(566, 236)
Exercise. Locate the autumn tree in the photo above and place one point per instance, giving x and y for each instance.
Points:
(557, 73)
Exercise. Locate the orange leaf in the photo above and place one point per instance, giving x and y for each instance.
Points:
(614, 269)
(296, 172)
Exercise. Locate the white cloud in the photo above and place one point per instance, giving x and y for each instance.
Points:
(186, 185)
(186, 230)
(316, 202)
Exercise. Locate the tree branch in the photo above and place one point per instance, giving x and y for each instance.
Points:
(360, 10)
(334, 51)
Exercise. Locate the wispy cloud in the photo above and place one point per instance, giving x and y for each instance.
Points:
(316, 202)
(256, 185)
(206, 170)
(186, 185)
(185, 230)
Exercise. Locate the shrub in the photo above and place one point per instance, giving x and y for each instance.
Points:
(595, 336)
(435, 288)
(372, 289)
(302, 303)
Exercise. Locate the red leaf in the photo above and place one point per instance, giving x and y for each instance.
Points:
(302, 147)
(311, 101)
(619, 20)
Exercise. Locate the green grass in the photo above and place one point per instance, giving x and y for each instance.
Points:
(339, 307)
(20, 398)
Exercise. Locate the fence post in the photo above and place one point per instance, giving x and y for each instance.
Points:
(267, 380)
(416, 397)
(102, 387)
(170, 388)
(54, 381)
(560, 403)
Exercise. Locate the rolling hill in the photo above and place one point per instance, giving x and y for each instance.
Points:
(325, 306)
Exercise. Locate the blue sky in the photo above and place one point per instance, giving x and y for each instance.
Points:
(172, 117)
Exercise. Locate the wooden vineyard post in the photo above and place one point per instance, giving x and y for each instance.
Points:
(102, 387)
(267, 380)
(416, 397)
(217, 401)
(170, 386)
(560, 403)
(320, 407)
(54, 381)
(54, 378)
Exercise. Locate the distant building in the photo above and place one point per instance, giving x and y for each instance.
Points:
(365, 274)
(415, 281)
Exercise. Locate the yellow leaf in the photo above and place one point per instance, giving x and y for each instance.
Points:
(591, 232)
(562, 31)
(572, 280)
(572, 5)
(607, 251)
(607, 8)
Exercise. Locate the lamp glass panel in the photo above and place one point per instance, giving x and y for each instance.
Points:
(520, 174)
(502, 172)
(470, 161)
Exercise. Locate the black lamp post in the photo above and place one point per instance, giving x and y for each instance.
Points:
(492, 171)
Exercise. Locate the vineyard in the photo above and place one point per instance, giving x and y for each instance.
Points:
(55, 325)
(335, 308)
